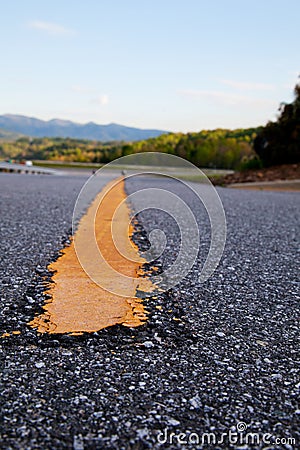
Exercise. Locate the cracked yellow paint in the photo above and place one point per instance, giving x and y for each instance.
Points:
(5, 335)
(77, 303)
(13, 333)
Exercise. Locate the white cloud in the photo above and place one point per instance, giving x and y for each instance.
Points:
(248, 86)
(101, 99)
(97, 99)
(226, 98)
(50, 28)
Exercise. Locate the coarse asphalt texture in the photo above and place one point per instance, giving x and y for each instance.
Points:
(210, 357)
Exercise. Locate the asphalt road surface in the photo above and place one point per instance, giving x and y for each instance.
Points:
(215, 358)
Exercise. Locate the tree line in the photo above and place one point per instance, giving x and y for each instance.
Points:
(276, 143)
(279, 142)
(228, 149)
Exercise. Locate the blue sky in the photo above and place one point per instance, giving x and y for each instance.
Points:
(176, 65)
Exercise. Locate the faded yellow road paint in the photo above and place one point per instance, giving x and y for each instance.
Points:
(5, 335)
(13, 333)
(77, 303)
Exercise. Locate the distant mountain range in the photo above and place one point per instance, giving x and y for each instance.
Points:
(33, 127)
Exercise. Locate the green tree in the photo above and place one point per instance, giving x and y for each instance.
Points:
(279, 142)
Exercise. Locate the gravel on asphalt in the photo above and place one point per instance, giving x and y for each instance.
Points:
(211, 357)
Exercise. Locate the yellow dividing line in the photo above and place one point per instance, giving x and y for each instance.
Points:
(77, 303)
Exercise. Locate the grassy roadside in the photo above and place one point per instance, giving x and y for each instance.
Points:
(212, 174)
(200, 178)
(66, 165)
